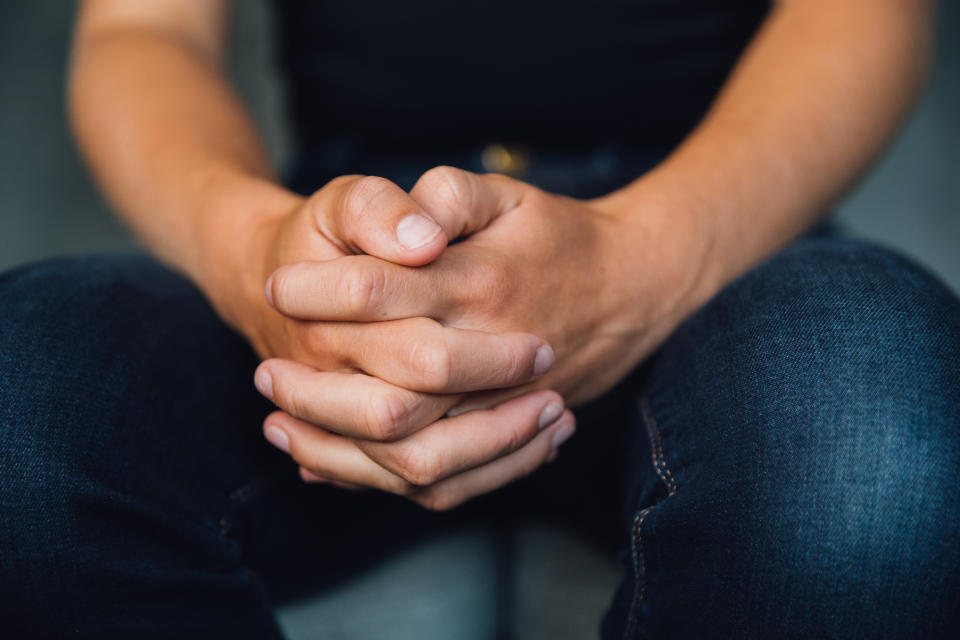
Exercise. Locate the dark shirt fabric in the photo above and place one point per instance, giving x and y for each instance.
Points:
(557, 74)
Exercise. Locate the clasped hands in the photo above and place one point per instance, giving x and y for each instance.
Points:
(443, 371)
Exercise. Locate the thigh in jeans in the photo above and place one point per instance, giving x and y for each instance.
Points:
(138, 497)
(798, 470)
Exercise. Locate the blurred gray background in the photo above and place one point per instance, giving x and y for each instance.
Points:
(444, 589)
(48, 206)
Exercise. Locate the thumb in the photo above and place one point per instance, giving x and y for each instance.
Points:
(367, 214)
(463, 202)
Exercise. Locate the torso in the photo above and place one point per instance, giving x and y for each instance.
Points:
(557, 73)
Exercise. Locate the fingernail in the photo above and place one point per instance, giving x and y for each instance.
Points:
(544, 360)
(563, 434)
(417, 230)
(457, 410)
(264, 382)
(550, 414)
(268, 290)
(278, 438)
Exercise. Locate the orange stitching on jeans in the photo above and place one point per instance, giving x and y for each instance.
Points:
(639, 573)
(639, 561)
(656, 447)
(236, 500)
(642, 592)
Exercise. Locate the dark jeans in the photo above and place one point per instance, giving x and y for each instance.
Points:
(787, 465)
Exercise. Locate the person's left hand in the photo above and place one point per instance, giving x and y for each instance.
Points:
(603, 281)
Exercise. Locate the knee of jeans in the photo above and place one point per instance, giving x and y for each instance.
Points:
(829, 381)
(109, 367)
(91, 322)
(828, 331)
(91, 346)
(71, 334)
(79, 338)
(95, 302)
(848, 333)
(830, 378)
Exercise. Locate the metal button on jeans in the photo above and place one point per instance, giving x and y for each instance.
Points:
(511, 161)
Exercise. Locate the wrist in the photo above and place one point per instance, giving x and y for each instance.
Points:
(239, 220)
(670, 240)
(713, 181)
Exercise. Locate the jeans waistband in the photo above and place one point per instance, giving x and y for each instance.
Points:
(583, 173)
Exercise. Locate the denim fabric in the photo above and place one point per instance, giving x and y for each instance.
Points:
(803, 472)
(787, 465)
(137, 496)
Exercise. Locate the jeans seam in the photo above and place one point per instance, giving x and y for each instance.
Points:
(656, 447)
(669, 481)
(237, 499)
(639, 571)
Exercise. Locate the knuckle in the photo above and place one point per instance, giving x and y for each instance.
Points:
(362, 288)
(280, 287)
(403, 488)
(514, 439)
(385, 416)
(452, 187)
(315, 463)
(432, 363)
(398, 486)
(361, 193)
(437, 500)
(418, 466)
(517, 361)
(292, 400)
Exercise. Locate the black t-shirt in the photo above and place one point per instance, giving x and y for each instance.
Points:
(556, 74)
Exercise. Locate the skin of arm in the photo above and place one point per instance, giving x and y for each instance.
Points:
(169, 143)
(813, 100)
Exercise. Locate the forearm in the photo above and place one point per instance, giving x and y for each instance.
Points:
(813, 100)
(170, 145)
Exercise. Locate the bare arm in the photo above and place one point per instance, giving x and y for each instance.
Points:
(165, 135)
(815, 98)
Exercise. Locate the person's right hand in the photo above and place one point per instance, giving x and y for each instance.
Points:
(351, 215)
